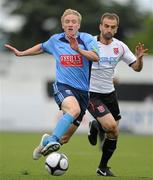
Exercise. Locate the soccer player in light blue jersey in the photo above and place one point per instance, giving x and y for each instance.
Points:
(74, 52)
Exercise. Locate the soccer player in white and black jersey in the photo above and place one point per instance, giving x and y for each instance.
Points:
(103, 100)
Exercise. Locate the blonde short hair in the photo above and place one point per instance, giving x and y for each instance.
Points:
(71, 11)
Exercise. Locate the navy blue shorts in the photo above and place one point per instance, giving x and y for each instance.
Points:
(61, 91)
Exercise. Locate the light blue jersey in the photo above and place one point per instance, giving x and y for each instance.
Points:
(72, 68)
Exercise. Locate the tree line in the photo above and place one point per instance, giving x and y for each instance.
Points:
(42, 19)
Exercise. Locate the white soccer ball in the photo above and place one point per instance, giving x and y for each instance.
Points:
(56, 163)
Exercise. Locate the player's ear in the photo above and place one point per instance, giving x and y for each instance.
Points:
(62, 26)
(100, 26)
(79, 26)
(116, 30)
(62, 23)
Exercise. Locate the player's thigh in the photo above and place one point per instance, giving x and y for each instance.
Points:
(71, 106)
(108, 122)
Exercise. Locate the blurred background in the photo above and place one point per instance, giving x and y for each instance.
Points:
(26, 102)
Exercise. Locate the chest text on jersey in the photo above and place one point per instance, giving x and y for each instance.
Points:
(71, 60)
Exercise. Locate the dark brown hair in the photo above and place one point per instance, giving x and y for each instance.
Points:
(110, 16)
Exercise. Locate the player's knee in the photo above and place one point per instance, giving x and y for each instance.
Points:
(75, 111)
(113, 128)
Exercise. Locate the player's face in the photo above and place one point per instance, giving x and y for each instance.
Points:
(71, 24)
(108, 28)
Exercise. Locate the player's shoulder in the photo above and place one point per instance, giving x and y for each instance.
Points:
(96, 37)
(118, 42)
(84, 35)
(57, 36)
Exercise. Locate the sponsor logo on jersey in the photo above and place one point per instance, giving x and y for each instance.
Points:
(110, 60)
(71, 60)
(116, 50)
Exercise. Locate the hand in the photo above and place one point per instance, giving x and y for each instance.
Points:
(14, 50)
(140, 51)
(73, 43)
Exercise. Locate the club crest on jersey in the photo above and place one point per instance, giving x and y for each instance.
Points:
(116, 51)
(101, 108)
(71, 60)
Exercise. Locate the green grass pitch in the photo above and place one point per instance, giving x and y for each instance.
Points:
(133, 159)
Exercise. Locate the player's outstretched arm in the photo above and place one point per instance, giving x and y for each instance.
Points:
(90, 55)
(29, 52)
(140, 51)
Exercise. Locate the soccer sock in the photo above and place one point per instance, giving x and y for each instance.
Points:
(63, 125)
(108, 149)
(60, 129)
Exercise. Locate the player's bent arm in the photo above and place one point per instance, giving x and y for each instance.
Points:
(140, 51)
(90, 55)
(137, 65)
(29, 52)
(33, 51)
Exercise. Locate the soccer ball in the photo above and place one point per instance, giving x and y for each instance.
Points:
(56, 163)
